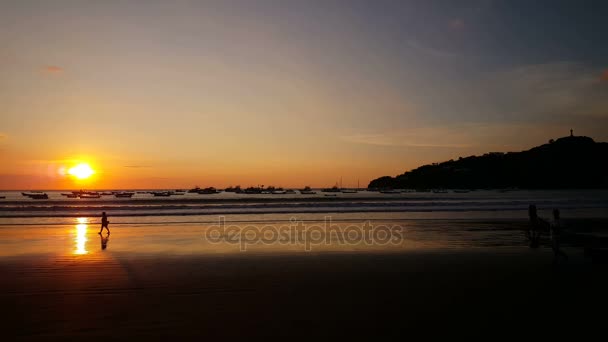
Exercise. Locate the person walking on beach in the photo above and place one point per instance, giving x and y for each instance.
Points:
(104, 223)
(556, 230)
(533, 232)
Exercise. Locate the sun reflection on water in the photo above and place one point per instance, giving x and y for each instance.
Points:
(81, 236)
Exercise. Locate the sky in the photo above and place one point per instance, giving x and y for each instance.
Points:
(172, 94)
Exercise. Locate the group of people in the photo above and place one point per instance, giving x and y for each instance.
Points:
(538, 225)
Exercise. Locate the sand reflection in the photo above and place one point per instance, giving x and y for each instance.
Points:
(81, 236)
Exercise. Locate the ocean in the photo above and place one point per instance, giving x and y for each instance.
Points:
(144, 208)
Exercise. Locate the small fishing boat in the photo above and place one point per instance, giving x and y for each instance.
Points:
(349, 191)
(253, 191)
(334, 188)
(440, 191)
(39, 196)
(195, 190)
(330, 195)
(462, 191)
(208, 191)
(32, 193)
(278, 192)
(307, 191)
(290, 191)
(89, 195)
(2, 197)
(161, 193)
(106, 193)
(124, 195)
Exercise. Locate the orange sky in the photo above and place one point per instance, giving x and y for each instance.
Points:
(177, 94)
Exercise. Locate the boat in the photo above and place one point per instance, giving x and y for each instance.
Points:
(440, 191)
(71, 195)
(407, 191)
(2, 197)
(89, 195)
(38, 196)
(124, 195)
(307, 191)
(349, 191)
(208, 191)
(390, 192)
(235, 189)
(106, 193)
(462, 191)
(278, 192)
(290, 191)
(330, 195)
(161, 193)
(32, 193)
(334, 188)
(195, 190)
(178, 193)
(252, 191)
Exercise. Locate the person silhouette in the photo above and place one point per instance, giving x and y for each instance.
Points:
(556, 230)
(104, 223)
(533, 232)
(104, 241)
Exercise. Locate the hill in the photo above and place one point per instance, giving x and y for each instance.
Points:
(569, 162)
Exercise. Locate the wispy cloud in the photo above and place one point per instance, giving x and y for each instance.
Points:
(432, 51)
(456, 24)
(415, 137)
(552, 89)
(52, 70)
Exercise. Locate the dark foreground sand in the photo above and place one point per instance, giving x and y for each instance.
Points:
(155, 296)
(298, 296)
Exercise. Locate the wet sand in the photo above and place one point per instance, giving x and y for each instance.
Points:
(153, 292)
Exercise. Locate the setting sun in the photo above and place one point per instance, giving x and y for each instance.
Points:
(81, 171)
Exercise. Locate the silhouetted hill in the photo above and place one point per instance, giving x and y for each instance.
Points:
(569, 162)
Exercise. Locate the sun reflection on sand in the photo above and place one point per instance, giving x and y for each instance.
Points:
(81, 236)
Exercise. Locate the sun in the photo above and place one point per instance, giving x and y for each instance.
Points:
(81, 171)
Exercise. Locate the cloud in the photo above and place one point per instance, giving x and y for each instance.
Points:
(435, 52)
(456, 24)
(549, 90)
(535, 93)
(416, 137)
(52, 70)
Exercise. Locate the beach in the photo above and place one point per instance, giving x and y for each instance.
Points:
(167, 280)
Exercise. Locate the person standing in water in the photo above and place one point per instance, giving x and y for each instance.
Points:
(104, 223)
(533, 232)
(556, 231)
